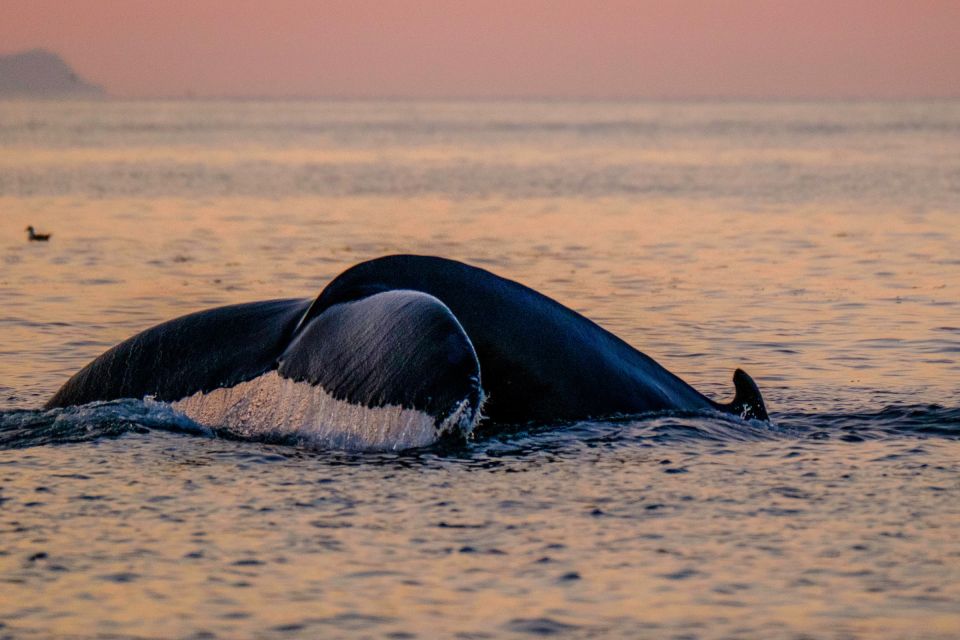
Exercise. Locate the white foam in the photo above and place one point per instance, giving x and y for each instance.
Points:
(271, 404)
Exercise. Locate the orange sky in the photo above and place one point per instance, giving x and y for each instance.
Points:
(490, 48)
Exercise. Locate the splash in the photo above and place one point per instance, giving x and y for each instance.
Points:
(27, 428)
(22, 428)
(271, 406)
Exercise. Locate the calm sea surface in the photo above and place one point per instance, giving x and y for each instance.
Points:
(816, 245)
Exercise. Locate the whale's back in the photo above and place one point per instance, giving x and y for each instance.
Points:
(541, 361)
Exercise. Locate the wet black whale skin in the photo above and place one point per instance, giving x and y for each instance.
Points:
(394, 348)
(443, 327)
(540, 361)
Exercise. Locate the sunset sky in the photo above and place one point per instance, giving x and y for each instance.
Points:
(494, 48)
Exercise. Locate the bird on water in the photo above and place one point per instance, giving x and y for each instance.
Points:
(33, 236)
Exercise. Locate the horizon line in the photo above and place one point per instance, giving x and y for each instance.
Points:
(108, 97)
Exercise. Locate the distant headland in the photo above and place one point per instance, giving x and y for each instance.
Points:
(41, 74)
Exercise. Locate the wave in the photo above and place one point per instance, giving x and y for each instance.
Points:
(20, 428)
(891, 421)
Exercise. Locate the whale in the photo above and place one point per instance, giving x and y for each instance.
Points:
(397, 352)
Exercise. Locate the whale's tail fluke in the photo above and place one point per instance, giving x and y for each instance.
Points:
(747, 403)
(397, 362)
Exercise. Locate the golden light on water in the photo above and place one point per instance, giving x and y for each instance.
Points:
(822, 259)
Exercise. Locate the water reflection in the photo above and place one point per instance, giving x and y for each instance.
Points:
(813, 244)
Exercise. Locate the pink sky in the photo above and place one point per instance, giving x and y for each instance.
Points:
(489, 48)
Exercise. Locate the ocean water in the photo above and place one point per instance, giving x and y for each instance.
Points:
(814, 244)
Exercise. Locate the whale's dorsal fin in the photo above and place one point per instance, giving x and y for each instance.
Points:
(747, 403)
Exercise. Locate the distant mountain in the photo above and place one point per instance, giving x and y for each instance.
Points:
(41, 74)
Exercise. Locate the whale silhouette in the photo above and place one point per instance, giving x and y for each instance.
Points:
(395, 352)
